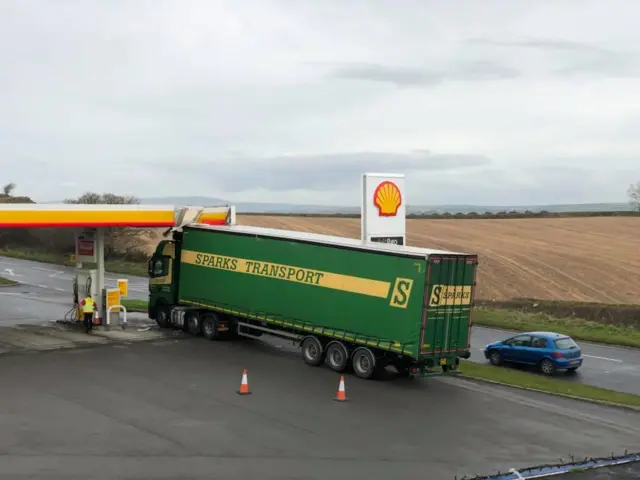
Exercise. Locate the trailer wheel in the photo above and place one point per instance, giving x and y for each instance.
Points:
(192, 319)
(364, 362)
(312, 351)
(210, 326)
(337, 356)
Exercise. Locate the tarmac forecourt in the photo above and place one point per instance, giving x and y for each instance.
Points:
(515, 378)
(513, 320)
(162, 408)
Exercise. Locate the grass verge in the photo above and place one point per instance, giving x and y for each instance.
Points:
(135, 305)
(113, 266)
(553, 385)
(579, 329)
(5, 282)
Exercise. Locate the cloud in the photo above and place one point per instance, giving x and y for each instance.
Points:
(318, 173)
(576, 58)
(546, 44)
(292, 101)
(479, 70)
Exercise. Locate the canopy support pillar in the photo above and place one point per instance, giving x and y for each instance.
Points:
(100, 301)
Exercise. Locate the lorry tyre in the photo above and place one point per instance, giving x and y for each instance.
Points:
(364, 362)
(192, 319)
(312, 351)
(210, 326)
(337, 356)
(162, 316)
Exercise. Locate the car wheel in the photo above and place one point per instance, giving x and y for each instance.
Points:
(547, 367)
(495, 357)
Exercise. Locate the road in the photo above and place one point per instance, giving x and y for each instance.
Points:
(607, 367)
(59, 279)
(45, 294)
(169, 409)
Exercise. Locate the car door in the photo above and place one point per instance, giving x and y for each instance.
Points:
(538, 350)
(516, 350)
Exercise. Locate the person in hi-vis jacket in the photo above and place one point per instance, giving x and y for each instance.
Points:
(88, 308)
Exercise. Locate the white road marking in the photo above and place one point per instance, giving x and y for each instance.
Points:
(43, 269)
(11, 272)
(56, 274)
(603, 358)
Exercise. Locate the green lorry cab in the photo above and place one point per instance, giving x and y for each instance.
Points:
(346, 303)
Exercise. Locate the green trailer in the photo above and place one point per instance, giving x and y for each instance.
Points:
(345, 303)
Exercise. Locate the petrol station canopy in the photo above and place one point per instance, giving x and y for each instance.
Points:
(98, 217)
(28, 215)
(79, 216)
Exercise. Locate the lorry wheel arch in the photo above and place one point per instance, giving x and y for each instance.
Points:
(337, 356)
(313, 353)
(364, 362)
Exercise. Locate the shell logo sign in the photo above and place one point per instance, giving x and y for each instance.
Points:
(387, 198)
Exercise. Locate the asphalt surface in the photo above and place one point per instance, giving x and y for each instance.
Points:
(45, 294)
(169, 409)
(59, 279)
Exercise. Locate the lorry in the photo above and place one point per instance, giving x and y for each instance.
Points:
(352, 305)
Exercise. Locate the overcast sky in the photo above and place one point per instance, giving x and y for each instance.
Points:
(483, 102)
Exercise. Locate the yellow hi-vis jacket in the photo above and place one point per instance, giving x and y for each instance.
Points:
(88, 305)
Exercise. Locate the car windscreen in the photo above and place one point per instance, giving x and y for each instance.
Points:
(565, 343)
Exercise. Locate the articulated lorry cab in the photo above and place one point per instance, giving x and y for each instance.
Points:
(346, 303)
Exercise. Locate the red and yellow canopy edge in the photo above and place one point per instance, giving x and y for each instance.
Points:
(86, 218)
(212, 218)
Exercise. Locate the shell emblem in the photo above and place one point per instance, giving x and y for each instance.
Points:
(387, 198)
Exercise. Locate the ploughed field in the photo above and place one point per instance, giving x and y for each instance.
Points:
(593, 259)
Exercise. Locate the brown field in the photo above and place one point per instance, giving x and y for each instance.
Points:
(579, 259)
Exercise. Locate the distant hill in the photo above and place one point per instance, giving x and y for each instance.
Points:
(4, 198)
(250, 207)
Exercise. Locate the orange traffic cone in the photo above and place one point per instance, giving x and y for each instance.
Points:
(341, 396)
(244, 384)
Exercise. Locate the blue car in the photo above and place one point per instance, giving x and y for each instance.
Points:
(546, 350)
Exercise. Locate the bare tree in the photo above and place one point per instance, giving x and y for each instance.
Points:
(9, 188)
(634, 196)
(121, 241)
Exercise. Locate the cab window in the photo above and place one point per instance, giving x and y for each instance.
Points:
(157, 267)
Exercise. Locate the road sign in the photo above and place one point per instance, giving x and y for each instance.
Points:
(123, 286)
